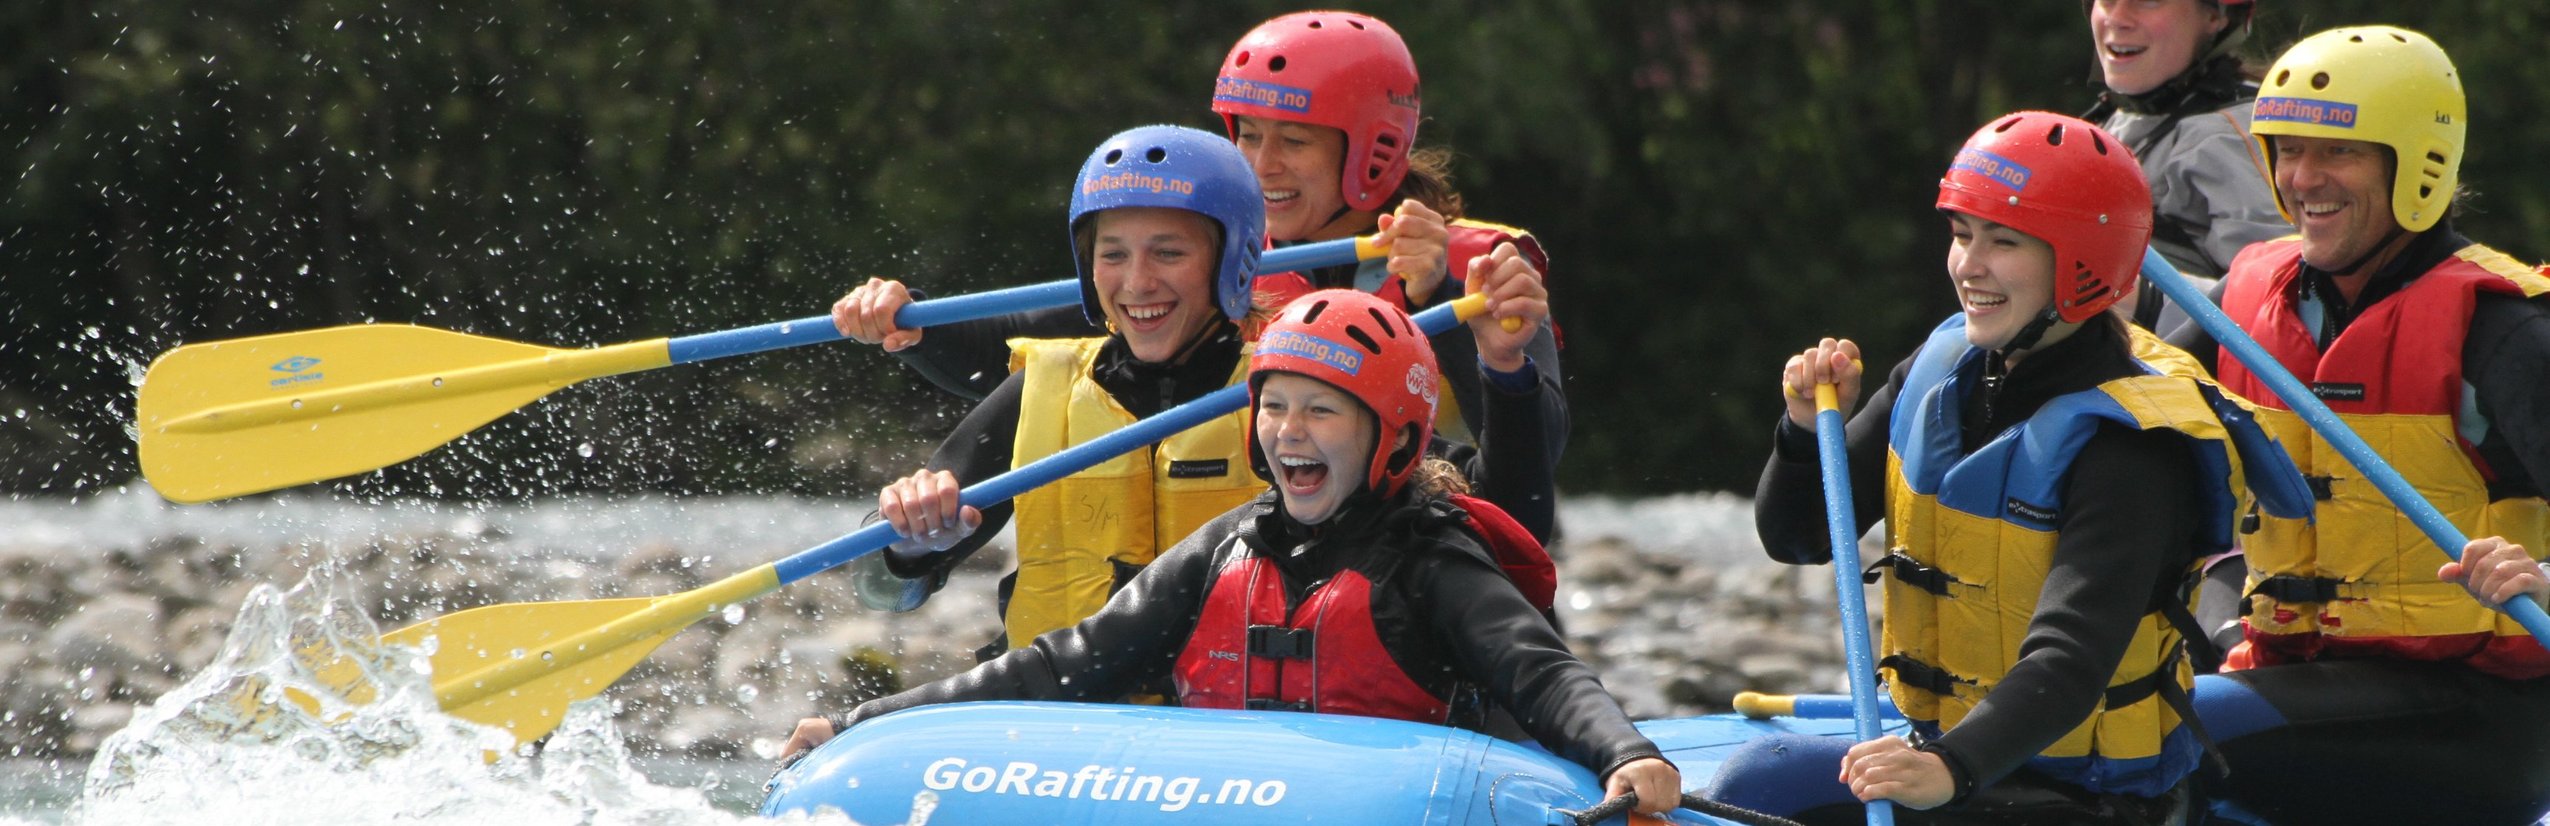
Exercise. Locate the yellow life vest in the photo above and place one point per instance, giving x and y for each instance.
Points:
(2360, 582)
(1080, 538)
(1972, 536)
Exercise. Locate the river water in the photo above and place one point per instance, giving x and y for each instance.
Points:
(256, 736)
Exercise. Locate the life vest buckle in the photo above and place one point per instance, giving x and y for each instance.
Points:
(1279, 642)
(1910, 572)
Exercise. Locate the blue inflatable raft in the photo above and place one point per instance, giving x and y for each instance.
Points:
(1067, 763)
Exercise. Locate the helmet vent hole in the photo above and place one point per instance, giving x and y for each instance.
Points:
(1156, 155)
(1386, 140)
(2356, 39)
(2320, 81)
(1315, 310)
(1372, 173)
(1114, 155)
(2436, 158)
(2395, 36)
(2005, 125)
(1382, 320)
(2098, 144)
(1314, 24)
(2054, 136)
(2284, 77)
(1358, 24)
(1275, 64)
(1241, 60)
(1365, 339)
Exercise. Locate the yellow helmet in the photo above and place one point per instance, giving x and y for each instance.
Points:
(2379, 84)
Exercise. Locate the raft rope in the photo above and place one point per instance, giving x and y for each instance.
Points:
(1712, 808)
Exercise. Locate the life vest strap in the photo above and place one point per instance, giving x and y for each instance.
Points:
(1266, 704)
(2136, 690)
(2289, 588)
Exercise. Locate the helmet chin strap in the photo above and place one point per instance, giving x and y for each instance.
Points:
(2028, 335)
(2352, 267)
(1343, 210)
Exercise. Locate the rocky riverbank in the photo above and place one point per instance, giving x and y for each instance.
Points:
(1676, 617)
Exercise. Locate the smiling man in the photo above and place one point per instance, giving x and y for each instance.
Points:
(2371, 688)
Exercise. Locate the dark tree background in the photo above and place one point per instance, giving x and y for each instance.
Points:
(1720, 181)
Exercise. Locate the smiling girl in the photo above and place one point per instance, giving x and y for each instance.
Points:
(2175, 92)
(2048, 475)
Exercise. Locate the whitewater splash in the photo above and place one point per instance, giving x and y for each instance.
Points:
(304, 714)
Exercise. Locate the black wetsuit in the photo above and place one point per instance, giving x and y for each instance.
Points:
(2128, 532)
(2377, 741)
(1445, 613)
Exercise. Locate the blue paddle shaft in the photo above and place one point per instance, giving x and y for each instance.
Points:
(1072, 460)
(1843, 520)
(938, 311)
(1830, 707)
(2438, 529)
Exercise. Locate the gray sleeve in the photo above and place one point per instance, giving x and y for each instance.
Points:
(2212, 181)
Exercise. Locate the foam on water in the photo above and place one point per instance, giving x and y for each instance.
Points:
(304, 715)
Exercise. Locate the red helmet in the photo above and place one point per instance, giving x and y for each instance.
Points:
(2069, 184)
(1368, 347)
(1330, 68)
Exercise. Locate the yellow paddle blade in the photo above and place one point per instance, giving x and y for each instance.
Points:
(517, 666)
(471, 641)
(227, 418)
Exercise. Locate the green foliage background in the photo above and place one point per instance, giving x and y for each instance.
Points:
(1719, 182)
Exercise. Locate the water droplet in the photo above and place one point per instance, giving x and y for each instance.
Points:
(519, 653)
(746, 694)
(786, 328)
(548, 656)
(296, 404)
(438, 381)
(585, 450)
(734, 614)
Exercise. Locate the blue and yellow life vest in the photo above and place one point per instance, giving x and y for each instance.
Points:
(1971, 538)
(1079, 538)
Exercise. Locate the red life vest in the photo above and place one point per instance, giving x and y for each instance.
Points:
(2358, 579)
(1327, 655)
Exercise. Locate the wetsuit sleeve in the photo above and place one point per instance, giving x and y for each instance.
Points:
(2504, 359)
(970, 358)
(2112, 531)
(1132, 642)
(1457, 353)
(980, 448)
(1513, 467)
(2219, 172)
(1788, 504)
(1500, 640)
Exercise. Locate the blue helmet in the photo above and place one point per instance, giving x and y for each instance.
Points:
(1189, 169)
